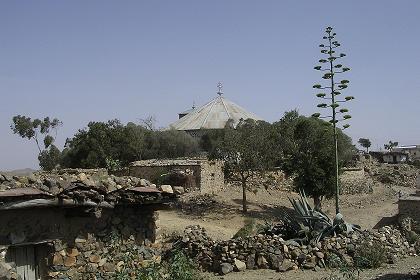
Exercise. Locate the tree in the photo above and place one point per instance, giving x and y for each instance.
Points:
(307, 145)
(390, 146)
(112, 145)
(365, 143)
(39, 130)
(246, 151)
(332, 94)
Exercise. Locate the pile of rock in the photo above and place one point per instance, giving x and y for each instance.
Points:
(393, 174)
(271, 251)
(91, 186)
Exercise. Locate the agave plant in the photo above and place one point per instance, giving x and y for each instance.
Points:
(314, 224)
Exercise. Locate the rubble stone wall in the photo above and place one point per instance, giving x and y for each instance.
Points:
(266, 251)
(152, 173)
(81, 243)
(410, 207)
(212, 176)
(207, 176)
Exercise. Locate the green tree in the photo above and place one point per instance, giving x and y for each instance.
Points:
(390, 146)
(365, 143)
(113, 145)
(40, 130)
(307, 154)
(246, 151)
(332, 93)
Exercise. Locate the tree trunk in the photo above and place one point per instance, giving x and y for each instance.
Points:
(244, 206)
(318, 202)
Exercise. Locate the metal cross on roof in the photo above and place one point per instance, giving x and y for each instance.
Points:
(220, 87)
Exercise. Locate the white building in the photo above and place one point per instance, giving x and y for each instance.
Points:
(413, 151)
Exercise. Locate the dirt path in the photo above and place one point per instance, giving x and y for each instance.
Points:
(367, 210)
(224, 220)
(403, 270)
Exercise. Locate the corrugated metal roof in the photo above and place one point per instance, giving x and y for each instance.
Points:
(213, 115)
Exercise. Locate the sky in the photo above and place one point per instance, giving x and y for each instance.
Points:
(82, 61)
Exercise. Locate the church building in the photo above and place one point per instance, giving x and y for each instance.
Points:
(213, 115)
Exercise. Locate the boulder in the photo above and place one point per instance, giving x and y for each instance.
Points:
(240, 265)
(225, 268)
(166, 189)
(286, 266)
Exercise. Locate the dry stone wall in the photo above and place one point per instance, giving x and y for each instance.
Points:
(266, 251)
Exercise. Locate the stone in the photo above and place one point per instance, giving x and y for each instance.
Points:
(250, 261)
(82, 177)
(178, 190)
(72, 252)
(94, 258)
(240, 265)
(144, 183)
(69, 261)
(319, 255)
(109, 267)
(309, 265)
(262, 262)
(225, 268)
(57, 259)
(301, 258)
(275, 261)
(166, 189)
(286, 266)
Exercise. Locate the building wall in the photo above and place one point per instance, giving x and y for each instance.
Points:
(80, 244)
(206, 176)
(212, 176)
(390, 158)
(153, 174)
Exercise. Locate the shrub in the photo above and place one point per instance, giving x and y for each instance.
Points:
(179, 267)
(370, 255)
(182, 268)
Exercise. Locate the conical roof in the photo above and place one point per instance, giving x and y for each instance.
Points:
(213, 115)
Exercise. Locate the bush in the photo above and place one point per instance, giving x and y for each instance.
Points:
(179, 267)
(182, 268)
(370, 255)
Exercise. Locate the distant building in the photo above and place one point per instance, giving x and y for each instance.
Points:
(413, 151)
(213, 115)
(191, 174)
(395, 157)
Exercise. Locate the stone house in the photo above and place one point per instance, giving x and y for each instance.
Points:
(413, 151)
(81, 229)
(409, 205)
(394, 157)
(191, 174)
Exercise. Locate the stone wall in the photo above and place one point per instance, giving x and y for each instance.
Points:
(83, 243)
(271, 251)
(410, 207)
(153, 173)
(212, 177)
(207, 176)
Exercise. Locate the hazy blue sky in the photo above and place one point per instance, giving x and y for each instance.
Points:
(97, 60)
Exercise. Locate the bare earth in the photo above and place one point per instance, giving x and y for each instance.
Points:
(366, 210)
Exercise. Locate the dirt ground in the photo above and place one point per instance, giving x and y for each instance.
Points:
(225, 218)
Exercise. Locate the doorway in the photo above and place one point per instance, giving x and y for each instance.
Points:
(30, 260)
